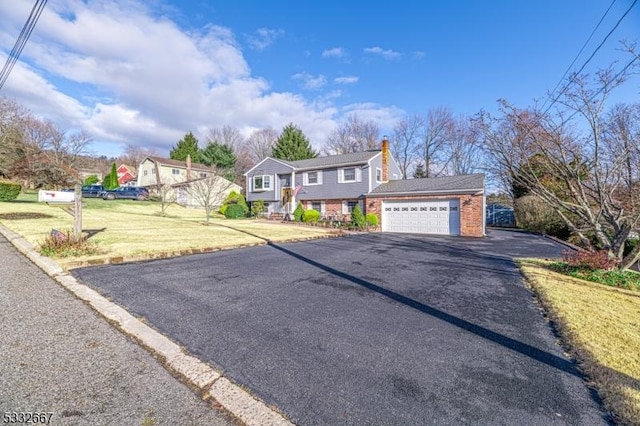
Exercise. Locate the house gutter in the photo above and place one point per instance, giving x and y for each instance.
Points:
(438, 192)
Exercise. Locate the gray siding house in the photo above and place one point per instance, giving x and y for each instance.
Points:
(332, 185)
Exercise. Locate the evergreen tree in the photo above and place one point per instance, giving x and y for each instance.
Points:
(110, 181)
(357, 218)
(419, 171)
(188, 145)
(293, 145)
(220, 156)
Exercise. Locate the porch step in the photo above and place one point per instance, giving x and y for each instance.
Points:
(276, 216)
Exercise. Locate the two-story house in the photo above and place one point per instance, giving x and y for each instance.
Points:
(332, 185)
(157, 170)
(335, 184)
(183, 181)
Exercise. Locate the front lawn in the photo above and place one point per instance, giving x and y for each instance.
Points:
(135, 230)
(600, 326)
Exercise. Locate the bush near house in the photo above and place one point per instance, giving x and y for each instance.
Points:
(357, 218)
(257, 207)
(91, 180)
(234, 211)
(310, 216)
(371, 219)
(9, 191)
(298, 212)
(234, 198)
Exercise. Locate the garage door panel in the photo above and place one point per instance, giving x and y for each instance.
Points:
(422, 216)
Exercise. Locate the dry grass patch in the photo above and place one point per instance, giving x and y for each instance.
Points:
(601, 327)
(135, 230)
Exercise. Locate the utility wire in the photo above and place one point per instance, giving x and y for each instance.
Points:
(592, 55)
(27, 29)
(606, 12)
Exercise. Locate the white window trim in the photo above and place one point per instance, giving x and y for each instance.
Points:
(305, 178)
(378, 170)
(358, 173)
(345, 206)
(263, 189)
(322, 206)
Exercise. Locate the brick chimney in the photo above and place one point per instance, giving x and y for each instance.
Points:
(188, 167)
(385, 159)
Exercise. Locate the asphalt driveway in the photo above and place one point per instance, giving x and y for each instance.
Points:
(368, 329)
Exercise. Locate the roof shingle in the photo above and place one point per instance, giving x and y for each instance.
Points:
(474, 182)
(334, 160)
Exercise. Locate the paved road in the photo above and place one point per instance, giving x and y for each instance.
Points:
(368, 329)
(57, 355)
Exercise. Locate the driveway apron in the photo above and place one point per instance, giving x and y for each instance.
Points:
(368, 329)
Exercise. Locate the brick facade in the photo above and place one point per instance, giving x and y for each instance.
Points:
(471, 210)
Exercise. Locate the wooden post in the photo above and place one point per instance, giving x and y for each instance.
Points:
(77, 213)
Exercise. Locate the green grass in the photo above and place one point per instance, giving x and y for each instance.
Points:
(629, 280)
(600, 326)
(134, 230)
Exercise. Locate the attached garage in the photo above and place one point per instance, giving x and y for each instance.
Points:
(451, 205)
(421, 216)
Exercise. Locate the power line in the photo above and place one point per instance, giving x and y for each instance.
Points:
(27, 29)
(593, 54)
(606, 12)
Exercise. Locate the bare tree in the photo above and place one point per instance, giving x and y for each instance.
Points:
(438, 125)
(227, 135)
(209, 192)
(463, 147)
(261, 143)
(134, 154)
(353, 135)
(406, 142)
(577, 173)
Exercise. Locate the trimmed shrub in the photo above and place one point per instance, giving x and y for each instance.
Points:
(357, 218)
(234, 197)
(234, 211)
(590, 260)
(371, 219)
(257, 207)
(310, 216)
(9, 191)
(298, 212)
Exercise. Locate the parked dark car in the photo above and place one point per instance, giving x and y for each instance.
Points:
(91, 191)
(126, 192)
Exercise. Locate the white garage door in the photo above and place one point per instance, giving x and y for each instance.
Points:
(422, 217)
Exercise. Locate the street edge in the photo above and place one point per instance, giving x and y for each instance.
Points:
(209, 382)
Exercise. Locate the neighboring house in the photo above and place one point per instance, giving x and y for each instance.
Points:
(169, 171)
(125, 175)
(211, 191)
(335, 184)
(188, 184)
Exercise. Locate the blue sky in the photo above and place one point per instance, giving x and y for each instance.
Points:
(148, 72)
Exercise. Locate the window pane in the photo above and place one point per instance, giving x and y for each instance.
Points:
(349, 174)
(257, 182)
(266, 182)
(316, 206)
(312, 177)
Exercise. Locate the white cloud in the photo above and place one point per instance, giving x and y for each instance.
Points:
(310, 82)
(386, 54)
(336, 52)
(346, 80)
(418, 55)
(126, 74)
(385, 117)
(263, 38)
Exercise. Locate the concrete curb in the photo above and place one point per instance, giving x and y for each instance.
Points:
(209, 382)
